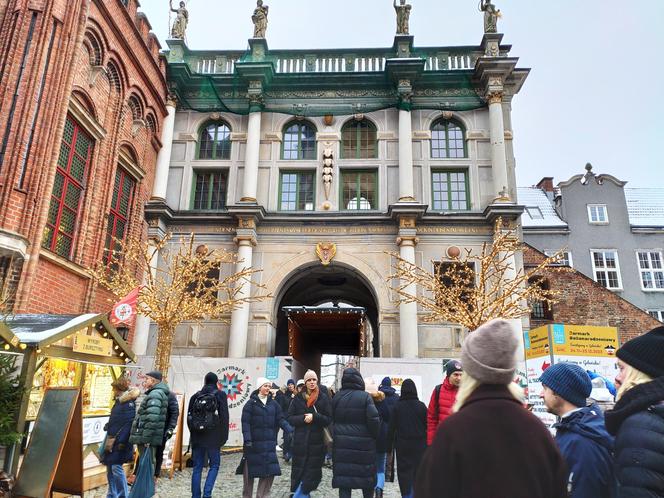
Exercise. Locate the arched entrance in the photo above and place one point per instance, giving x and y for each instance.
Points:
(336, 285)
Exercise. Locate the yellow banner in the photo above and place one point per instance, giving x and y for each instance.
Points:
(96, 345)
(584, 340)
(536, 342)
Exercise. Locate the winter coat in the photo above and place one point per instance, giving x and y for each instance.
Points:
(385, 409)
(216, 437)
(492, 447)
(407, 433)
(172, 412)
(308, 446)
(637, 421)
(284, 401)
(150, 422)
(587, 450)
(260, 425)
(356, 428)
(119, 426)
(440, 408)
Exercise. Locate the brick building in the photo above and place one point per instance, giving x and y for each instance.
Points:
(82, 93)
(585, 302)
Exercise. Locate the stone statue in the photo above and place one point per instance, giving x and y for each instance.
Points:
(491, 15)
(179, 28)
(403, 14)
(259, 18)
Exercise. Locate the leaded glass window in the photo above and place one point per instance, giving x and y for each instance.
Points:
(359, 190)
(449, 190)
(447, 140)
(358, 140)
(70, 177)
(209, 190)
(299, 142)
(215, 141)
(118, 216)
(296, 191)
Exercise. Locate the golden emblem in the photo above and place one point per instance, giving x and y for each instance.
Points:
(326, 251)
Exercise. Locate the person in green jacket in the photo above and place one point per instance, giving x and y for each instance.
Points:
(147, 431)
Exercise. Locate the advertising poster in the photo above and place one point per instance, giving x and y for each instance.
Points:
(538, 359)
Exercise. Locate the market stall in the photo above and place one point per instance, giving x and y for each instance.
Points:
(82, 351)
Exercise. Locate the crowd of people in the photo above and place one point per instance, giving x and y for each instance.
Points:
(476, 438)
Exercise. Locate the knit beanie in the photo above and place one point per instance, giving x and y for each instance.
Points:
(310, 375)
(290, 381)
(155, 375)
(211, 379)
(569, 381)
(645, 353)
(452, 366)
(300, 382)
(262, 381)
(489, 353)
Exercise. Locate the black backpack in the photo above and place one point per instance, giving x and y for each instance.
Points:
(204, 413)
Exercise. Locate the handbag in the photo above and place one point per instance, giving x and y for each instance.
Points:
(240, 468)
(109, 442)
(327, 435)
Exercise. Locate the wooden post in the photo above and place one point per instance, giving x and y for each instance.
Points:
(26, 379)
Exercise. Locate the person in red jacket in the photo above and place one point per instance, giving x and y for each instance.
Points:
(443, 398)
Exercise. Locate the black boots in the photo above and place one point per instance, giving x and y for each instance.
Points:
(379, 493)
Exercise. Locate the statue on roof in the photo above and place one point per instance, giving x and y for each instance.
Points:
(491, 15)
(179, 28)
(403, 14)
(259, 18)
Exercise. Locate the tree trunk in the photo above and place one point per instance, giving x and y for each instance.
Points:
(162, 358)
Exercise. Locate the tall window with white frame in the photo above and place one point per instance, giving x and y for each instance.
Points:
(209, 190)
(651, 270)
(598, 214)
(449, 190)
(359, 190)
(606, 268)
(296, 191)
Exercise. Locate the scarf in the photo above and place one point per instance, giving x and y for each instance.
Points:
(311, 397)
(633, 401)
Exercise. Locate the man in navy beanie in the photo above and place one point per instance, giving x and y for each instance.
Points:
(581, 436)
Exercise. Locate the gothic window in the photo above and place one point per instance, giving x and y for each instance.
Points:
(358, 140)
(296, 191)
(449, 190)
(215, 141)
(151, 123)
(299, 141)
(210, 190)
(136, 107)
(118, 216)
(359, 190)
(448, 140)
(70, 177)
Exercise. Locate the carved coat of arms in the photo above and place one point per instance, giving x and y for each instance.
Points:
(325, 252)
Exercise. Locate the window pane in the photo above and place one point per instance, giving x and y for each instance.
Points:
(223, 142)
(646, 280)
(656, 260)
(359, 140)
(210, 190)
(306, 192)
(308, 141)
(206, 142)
(288, 192)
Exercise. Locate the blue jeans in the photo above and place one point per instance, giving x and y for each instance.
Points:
(299, 493)
(117, 482)
(381, 458)
(200, 456)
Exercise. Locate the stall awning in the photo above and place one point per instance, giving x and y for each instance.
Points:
(40, 331)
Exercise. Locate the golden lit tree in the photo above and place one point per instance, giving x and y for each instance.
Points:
(475, 288)
(188, 284)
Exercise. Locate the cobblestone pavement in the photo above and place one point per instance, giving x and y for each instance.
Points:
(229, 485)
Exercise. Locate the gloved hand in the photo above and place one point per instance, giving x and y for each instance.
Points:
(169, 434)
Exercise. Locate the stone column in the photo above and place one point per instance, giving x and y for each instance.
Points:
(142, 330)
(250, 183)
(408, 334)
(406, 191)
(246, 240)
(164, 155)
(497, 138)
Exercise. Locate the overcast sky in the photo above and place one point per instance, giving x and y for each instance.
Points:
(596, 89)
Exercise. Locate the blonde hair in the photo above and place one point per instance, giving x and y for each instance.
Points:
(633, 377)
(469, 384)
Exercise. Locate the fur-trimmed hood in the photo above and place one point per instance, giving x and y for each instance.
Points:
(377, 396)
(130, 395)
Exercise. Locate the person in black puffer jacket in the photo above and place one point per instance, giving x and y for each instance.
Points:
(356, 428)
(407, 433)
(385, 410)
(637, 419)
(261, 419)
(310, 412)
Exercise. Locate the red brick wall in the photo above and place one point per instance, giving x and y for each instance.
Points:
(584, 302)
(62, 288)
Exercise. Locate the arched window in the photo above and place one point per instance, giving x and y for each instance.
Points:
(135, 106)
(151, 123)
(448, 140)
(358, 140)
(299, 141)
(215, 141)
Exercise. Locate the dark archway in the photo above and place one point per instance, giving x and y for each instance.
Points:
(335, 284)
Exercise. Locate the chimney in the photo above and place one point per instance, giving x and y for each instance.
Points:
(546, 184)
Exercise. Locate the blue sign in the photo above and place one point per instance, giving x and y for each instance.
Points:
(272, 368)
(558, 334)
(526, 339)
